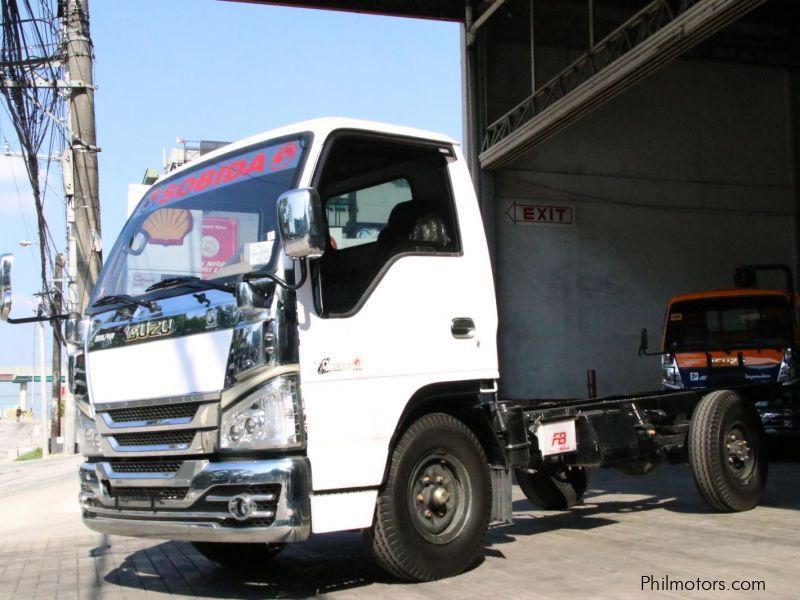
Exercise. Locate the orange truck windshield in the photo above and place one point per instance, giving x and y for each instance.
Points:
(728, 323)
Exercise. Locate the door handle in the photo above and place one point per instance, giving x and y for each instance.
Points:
(462, 328)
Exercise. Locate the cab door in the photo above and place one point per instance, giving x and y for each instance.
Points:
(402, 299)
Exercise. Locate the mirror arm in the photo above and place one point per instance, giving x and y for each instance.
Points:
(36, 319)
(291, 287)
(644, 352)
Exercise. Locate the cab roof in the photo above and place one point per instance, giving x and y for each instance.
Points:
(320, 128)
(731, 293)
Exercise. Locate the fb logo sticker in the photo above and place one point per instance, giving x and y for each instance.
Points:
(557, 438)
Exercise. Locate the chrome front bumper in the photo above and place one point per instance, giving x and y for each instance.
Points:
(198, 500)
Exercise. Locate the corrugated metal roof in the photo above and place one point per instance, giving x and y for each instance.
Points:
(445, 10)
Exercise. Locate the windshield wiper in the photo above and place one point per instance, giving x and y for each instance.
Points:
(127, 300)
(195, 282)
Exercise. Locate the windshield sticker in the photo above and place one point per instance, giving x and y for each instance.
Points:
(139, 281)
(258, 253)
(285, 157)
(168, 227)
(227, 172)
(219, 243)
(676, 317)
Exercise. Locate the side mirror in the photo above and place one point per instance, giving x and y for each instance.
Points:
(6, 260)
(72, 329)
(643, 343)
(302, 223)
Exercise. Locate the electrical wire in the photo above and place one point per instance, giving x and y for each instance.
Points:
(32, 55)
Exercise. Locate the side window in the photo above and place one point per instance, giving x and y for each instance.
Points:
(384, 198)
(358, 217)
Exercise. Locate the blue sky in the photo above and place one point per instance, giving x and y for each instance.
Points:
(206, 69)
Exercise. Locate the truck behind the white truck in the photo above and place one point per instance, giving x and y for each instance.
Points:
(296, 334)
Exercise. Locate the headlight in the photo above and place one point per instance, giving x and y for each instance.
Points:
(670, 374)
(270, 417)
(88, 438)
(786, 372)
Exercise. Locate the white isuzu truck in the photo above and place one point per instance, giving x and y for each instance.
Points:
(296, 334)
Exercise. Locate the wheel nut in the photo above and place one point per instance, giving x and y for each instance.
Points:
(428, 514)
(439, 479)
(426, 480)
(421, 498)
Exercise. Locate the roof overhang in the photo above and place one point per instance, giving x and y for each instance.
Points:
(442, 10)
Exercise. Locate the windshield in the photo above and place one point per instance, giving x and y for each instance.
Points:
(728, 323)
(214, 221)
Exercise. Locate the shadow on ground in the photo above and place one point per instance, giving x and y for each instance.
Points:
(336, 562)
(324, 564)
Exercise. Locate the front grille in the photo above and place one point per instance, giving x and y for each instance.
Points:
(147, 494)
(154, 413)
(146, 467)
(156, 438)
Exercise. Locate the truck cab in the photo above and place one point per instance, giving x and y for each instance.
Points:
(733, 337)
(268, 324)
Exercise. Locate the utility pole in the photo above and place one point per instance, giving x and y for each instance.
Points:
(42, 397)
(55, 389)
(81, 186)
(83, 148)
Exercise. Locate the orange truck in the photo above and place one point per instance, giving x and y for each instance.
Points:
(738, 336)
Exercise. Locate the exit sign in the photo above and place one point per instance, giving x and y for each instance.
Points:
(541, 214)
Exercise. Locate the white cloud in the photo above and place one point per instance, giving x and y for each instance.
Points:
(16, 197)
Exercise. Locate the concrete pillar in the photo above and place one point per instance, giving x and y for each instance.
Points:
(794, 144)
(23, 395)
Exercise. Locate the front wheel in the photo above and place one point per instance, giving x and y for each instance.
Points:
(727, 453)
(432, 514)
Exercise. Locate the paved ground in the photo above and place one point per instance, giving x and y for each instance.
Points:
(627, 529)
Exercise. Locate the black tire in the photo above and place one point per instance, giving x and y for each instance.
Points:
(233, 555)
(727, 453)
(557, 490)
(431, 515)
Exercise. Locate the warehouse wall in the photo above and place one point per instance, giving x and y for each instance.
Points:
(673, 184)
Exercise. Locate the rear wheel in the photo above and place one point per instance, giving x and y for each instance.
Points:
(727, 452)
(238, 555)
(553, 490)
(432, 514)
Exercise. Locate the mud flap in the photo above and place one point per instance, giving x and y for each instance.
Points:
(502, 510)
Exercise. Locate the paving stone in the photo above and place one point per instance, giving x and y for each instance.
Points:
(627, 528)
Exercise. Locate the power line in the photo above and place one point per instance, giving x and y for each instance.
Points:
(31, 57)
